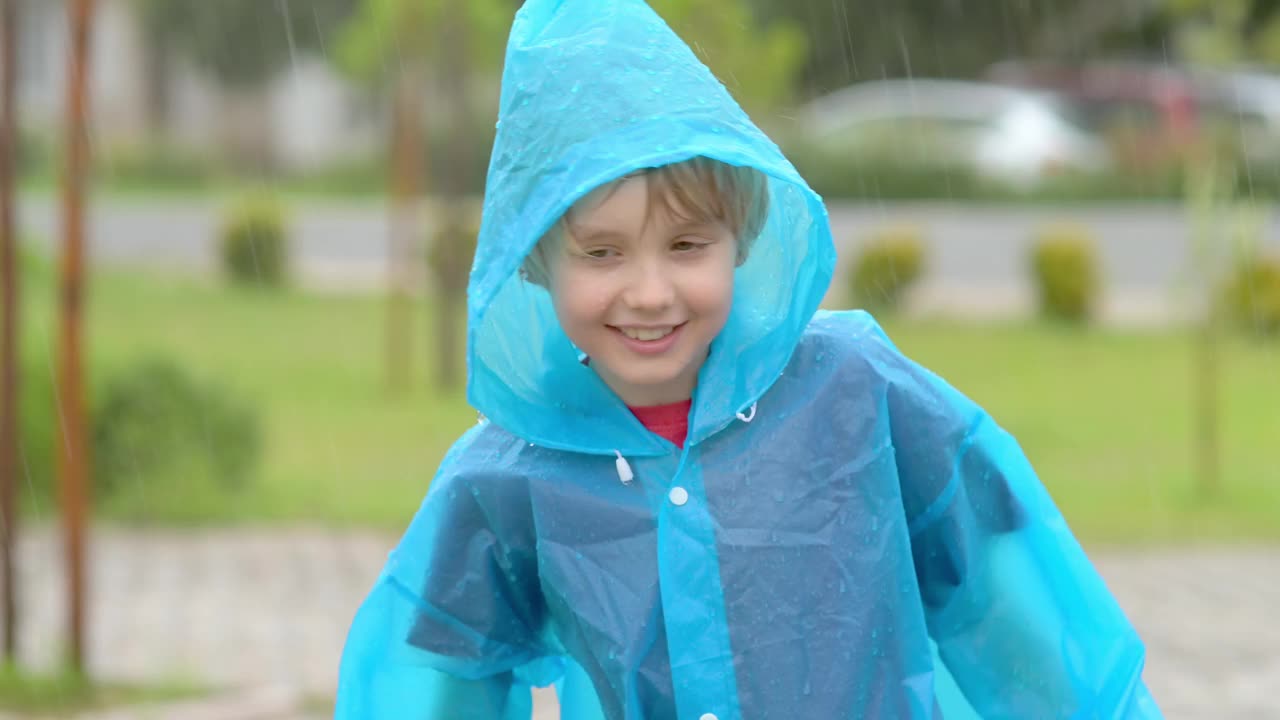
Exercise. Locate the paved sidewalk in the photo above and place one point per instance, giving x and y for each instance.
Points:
(270, 608)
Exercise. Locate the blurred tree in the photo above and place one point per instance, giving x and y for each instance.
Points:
(1218, 33)
(9, 334)
(414, 49)
(858, 40)
(758, 61)
(382, 35)
(1228, 32)
(242, 44)
(73, 461)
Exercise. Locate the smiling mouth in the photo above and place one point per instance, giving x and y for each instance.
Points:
(649, 334)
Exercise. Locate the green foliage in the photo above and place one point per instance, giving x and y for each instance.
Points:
(856, 40)
(1227, 32)
(758, 62)
(38, 427)
(890, 263)
(352, 175)
(882, 175)
(242, 43)
(1252, 296)
(37, 402)
(155, 165)
(254, 242)
(384, 35)
(154, 429)
(1066, 275)
(156, 426)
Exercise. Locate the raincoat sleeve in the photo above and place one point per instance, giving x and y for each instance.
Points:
(1022, 621)
(450, 630)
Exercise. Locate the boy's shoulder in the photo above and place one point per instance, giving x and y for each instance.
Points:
(486, 458)
(846, 339)
(491, 462)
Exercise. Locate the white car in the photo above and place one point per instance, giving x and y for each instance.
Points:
(1008, 134)
(1249, 100)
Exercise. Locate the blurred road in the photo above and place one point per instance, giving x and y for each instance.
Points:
(256, 608)
(977, 254)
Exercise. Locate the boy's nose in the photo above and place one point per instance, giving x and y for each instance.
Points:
(649, 288)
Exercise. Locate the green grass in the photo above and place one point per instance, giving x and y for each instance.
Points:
(1108, 421)
(339, 448)
(67, 694)
(1106, 417)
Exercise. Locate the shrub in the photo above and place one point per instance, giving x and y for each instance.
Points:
(1066, 275)
(890, 263)
(156, 425)
(254, 244)
(1253, 296)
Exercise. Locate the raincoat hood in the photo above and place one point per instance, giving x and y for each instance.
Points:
(593, 90)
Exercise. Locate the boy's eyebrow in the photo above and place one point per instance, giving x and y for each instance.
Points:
(693, 225)
(585, 233)
(597, 233)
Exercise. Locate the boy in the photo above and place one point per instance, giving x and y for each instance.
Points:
(695, 496)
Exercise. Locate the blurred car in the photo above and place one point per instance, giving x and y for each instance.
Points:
(1246, 103)
(1148, 113)
(1000, 133)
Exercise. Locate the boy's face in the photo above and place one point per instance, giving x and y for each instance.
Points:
(642, 292)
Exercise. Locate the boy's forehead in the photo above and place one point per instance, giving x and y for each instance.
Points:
(623, 197)
(628, 200)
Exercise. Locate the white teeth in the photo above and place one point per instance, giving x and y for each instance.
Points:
(647, 334)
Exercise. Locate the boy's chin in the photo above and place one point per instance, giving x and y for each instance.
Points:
(652, 388)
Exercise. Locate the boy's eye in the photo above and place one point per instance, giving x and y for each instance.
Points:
(687, 245)
(600, 253)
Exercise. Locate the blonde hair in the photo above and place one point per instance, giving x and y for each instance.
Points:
(699, 189)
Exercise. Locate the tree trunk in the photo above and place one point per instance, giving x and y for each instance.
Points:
(452, 267)
(406, 158)
(1208, 198)
(9, 319)
(158, 76)
(73, 466)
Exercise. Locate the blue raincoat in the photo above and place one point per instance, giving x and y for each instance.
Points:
(843, 534)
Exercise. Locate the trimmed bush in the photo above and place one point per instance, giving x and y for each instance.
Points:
(158, 426)
(254, 242)
(1253, 296)
(1065, 268)
(890, 263)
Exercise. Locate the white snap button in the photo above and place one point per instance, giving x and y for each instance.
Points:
(708, 716)
(680, 496)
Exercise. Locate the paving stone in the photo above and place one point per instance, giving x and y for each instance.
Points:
(251, 608)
